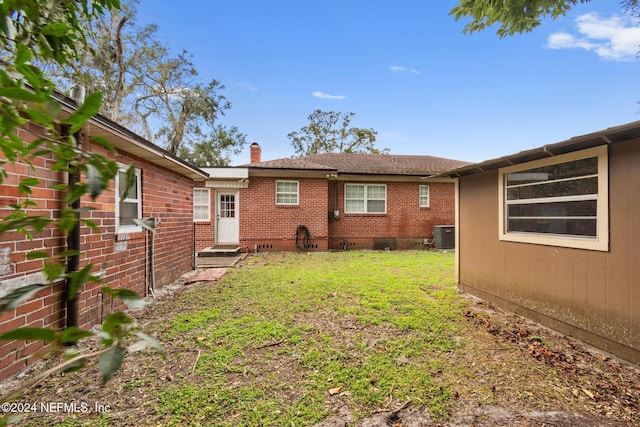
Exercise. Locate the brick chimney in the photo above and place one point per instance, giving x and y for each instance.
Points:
(255, 152)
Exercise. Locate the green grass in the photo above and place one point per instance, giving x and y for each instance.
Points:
(297, 339)
(276, 334)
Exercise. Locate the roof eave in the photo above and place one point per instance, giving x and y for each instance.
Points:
(607, 136)
(130, 142)
(290, 172)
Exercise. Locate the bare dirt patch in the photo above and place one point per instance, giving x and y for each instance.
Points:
(585, 387)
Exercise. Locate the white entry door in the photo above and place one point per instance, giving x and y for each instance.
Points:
(227, 216)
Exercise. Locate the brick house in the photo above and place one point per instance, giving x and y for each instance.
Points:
(342, 200)
(123, 253)
(326, 201)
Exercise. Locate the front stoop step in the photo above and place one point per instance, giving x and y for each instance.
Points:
(219, 251)
(219, 256)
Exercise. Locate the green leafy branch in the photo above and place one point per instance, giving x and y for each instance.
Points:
(114, 330)
(42, 31)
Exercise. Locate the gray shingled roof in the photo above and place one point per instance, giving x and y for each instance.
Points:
(289, 163)
(385, 164)
(370, 164)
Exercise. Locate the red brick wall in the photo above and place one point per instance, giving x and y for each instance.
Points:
(271, 227)
(45, 310)
(122, 260)
(404, 226)
(265, 226)
(14, 245)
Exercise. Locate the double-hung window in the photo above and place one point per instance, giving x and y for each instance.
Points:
(286, 192)
(559, 201)
(424, 196)
(365, 198)
(201, 206)
(128, 201)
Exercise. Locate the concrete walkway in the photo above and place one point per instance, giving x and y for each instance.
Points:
(206, 275)
(218, 261)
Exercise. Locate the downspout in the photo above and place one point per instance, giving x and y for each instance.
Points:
(457, 229)
(335, 202)
(193, 252)
(152, 263)
(73, 239)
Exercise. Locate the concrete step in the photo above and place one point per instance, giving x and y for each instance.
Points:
(218, 261)
(219, 251)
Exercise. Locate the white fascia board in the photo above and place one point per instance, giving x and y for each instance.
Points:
(227, 173)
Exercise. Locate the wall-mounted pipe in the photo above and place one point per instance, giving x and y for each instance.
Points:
(152, 264)
(73, 239)
(193, 252)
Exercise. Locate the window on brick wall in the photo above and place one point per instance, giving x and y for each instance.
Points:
(424, 196)
(128, 201)
(286, 192)
(201, 205)
(365, 198)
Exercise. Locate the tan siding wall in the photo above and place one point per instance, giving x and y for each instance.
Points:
(592, 295)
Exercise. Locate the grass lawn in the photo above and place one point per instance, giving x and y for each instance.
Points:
(299, 339)
(286, 331)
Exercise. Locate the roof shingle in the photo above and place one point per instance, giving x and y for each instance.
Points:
(370, 164)
(289, 163)
(385, 164)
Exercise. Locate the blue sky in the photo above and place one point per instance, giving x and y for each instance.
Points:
(405, 68)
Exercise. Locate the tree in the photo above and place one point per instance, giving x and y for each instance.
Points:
(217, 149)
(113, 43)
(329, 131)
(147, 90)
(517, 16)
(40, 31)
(187, 109)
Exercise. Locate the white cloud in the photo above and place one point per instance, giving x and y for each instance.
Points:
(615, 38)
(400, 69)
(323, 95)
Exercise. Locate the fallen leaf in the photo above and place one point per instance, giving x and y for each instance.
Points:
(335, 390)
(588, 393)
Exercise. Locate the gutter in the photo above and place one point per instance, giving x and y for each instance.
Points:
(607, 136)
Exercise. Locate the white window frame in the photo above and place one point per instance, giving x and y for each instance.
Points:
(600, 242)
(288, 193)
(422, 196)
(197, 202)
(128, 228)
(365, 199)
